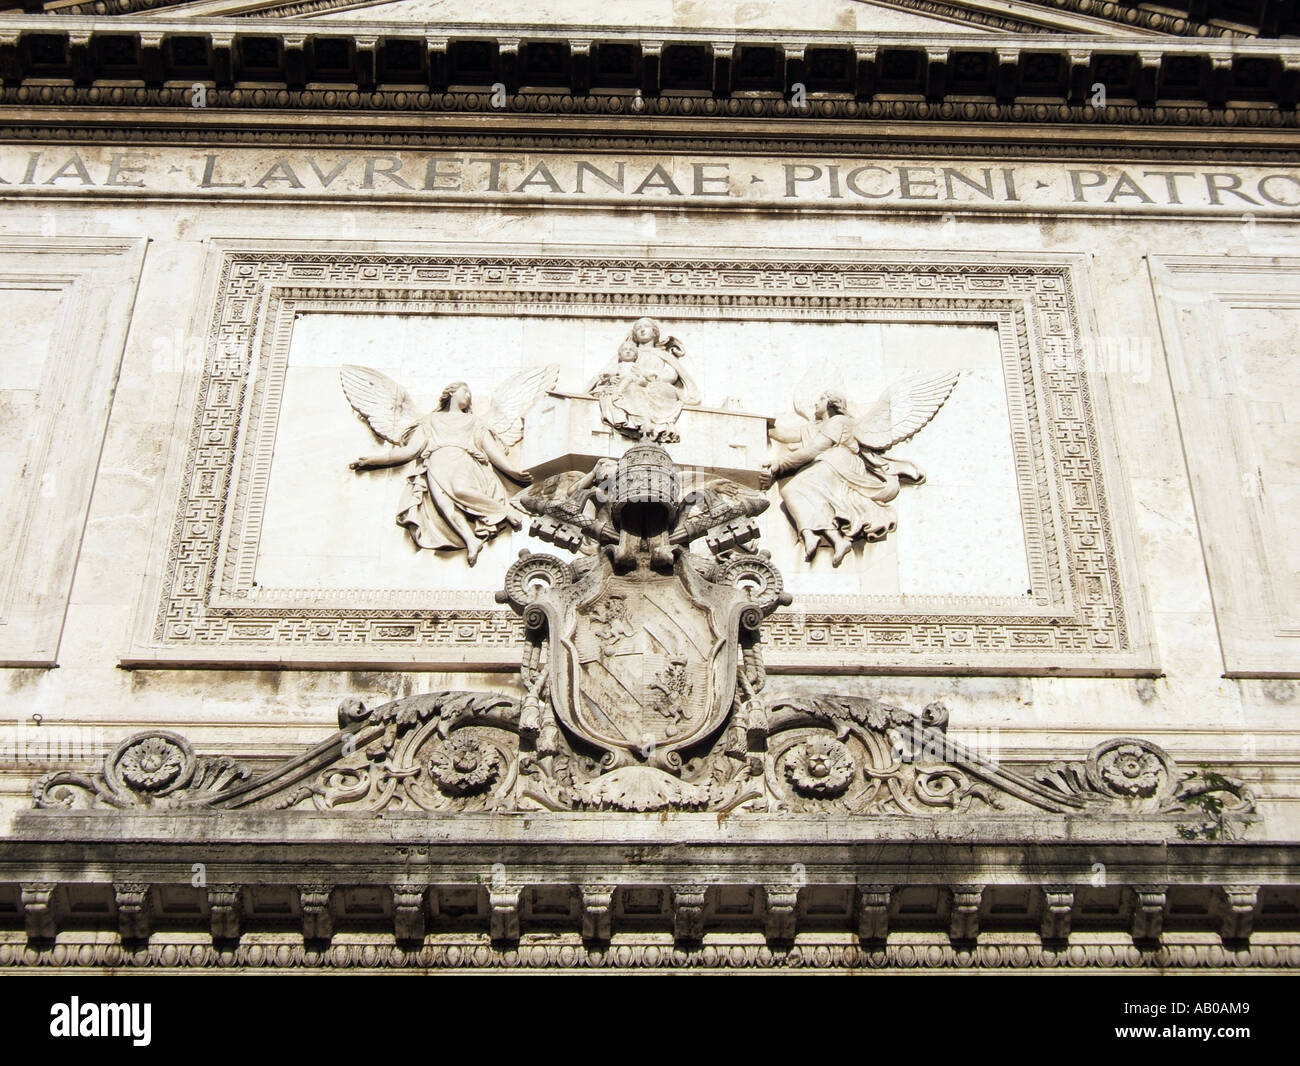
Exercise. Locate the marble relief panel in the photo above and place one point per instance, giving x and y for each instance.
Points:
(1007, 557)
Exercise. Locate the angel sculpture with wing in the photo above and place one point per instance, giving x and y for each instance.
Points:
(455, 498)
(839, 481)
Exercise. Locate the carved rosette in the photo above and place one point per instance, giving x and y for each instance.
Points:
(153, 763)
(819, 767)
(149, 769)
(462, 751)
(464, 765)
(1131, 768)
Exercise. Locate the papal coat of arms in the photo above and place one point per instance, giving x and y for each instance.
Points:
(643, 639)
(641, 684)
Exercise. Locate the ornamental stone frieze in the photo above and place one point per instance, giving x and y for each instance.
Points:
(274, 558)
(642, 688)
(642, 701)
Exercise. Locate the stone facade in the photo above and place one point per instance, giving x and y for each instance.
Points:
(939, 532)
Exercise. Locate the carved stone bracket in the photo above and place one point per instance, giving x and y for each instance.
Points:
(38, 914)
(1238, 915)
(873, 913)
(225, 910)
(782, 913)
(317, 919)
(134, 913)
(1058, 904)
(688, 913)
(719, 889)
(964, 926)
(503, 901)
(597, 912)
(409, 912)
(1148, 912)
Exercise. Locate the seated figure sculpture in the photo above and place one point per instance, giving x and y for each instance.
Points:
(642, 392)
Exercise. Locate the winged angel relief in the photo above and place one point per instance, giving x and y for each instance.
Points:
(837, 482)
(455, 498)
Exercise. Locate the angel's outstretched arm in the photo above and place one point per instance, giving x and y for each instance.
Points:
(393, 457)
(783, 432)
(801, 457)
(497, 457)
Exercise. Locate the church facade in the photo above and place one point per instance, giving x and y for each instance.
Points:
(649, 486)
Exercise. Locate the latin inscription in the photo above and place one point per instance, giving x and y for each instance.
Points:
(608, 179)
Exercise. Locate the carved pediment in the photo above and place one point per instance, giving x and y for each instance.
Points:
(823, 753)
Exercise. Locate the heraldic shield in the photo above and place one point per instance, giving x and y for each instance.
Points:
(643, 663)
(638, 646)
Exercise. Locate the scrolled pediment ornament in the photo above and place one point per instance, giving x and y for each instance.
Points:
(642, 689)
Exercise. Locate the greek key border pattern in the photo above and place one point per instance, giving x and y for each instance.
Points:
(1077, 613)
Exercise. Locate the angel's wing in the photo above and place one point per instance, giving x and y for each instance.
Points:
(381, 401)
(903, 411)
(505, 416)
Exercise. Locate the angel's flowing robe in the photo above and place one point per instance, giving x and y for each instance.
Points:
(453, 460)
(838, 489)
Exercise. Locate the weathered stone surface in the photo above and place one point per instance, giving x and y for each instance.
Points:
(1041, 715)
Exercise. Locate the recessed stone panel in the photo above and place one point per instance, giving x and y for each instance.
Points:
(1232, 327)
(1007, 557)
(65, 304)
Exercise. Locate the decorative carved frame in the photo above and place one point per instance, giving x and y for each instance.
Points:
(1084, 615)
(1257, 614)
(41, 525)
